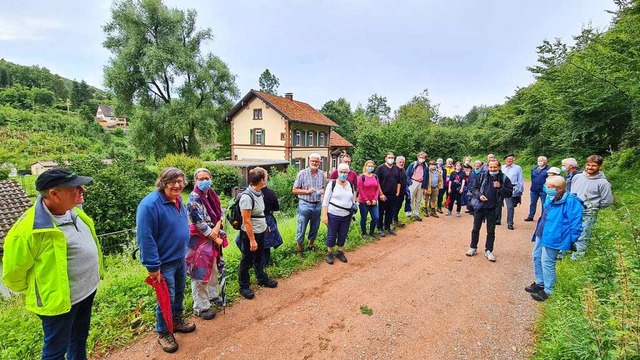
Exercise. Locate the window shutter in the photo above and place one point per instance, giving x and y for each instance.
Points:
(303, 163)
(264, 138)
(317, 133)
(251, 140)
(304, 138)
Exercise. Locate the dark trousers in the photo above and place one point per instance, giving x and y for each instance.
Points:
(478, 217)
(368, 209)
(386, 209)
(251, 259)
(457, 197)
(68, 332)
(337, 230)
(535, 195)
(266, 257)
(441, 193)
(407, 204)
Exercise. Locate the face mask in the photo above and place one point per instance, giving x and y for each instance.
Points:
(493, 173)
(477, 171)
(370, 169)
(564, 169)
(467, 162)
(342, 177)
(540, 163)
(439, 163)
(390, 161)
(204, 185)
(432, 167)
(421, 161)
(550, 192)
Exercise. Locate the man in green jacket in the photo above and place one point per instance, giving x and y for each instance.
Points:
(52, 255)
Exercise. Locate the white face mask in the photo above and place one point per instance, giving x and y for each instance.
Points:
(564, 169)
(540, 163)
(421, 160)
(390, 161)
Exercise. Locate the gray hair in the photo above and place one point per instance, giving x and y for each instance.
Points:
(198, 171)
(167, 175)
(544, 158)
(477, 162)
(557, 181)
(570, 162)
(343, 166)
(315, 156)
(400, 158)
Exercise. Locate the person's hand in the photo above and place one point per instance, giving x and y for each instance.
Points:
(253, 245)
(155, 275)
(496, 184)
(215, 233)
(449, 191)
(483, 198)
(461, 191)
(424, 192)
(383, 198)
(325, 220)
(218, 241)
(311, 191)
(374, 202)
(368, 202)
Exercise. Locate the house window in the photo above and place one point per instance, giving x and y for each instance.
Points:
(324, 163)
(282, 135)
(334, 162)
(310, 138)
(297, 138)
(257, 136)
(321, 139)
(257, 114)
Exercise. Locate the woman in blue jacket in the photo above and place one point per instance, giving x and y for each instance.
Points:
(559, 226)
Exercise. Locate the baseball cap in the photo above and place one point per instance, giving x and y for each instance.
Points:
(554, 170)
(60, 177)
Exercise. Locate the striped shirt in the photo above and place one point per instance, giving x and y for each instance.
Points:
(306, 180)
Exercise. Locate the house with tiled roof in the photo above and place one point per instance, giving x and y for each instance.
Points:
(108, 120)
(271, 127)
(14, 203)
(39, 167)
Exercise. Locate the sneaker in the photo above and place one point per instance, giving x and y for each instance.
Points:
(510, 227)
(167, 342)
(216, 301)
(341, 257)
(391, 232)
(181, 326)
(439, 210)
(448, 213)
(433, 213)
(529, 219)
(457, 214)
(533, 288)
(498, 223)
(417, 218)
(540, 296)
(246, 293)
(206, 314)
(374, 236)
(270, 283)
(382, 233)
(489, 255)
(398, 224)
(329, 258)
(471, 252)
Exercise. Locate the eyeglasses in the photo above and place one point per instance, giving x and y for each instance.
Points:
(177, 182)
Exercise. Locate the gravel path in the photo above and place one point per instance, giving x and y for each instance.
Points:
(429, 301)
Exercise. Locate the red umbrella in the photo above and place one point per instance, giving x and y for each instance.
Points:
(164, 300)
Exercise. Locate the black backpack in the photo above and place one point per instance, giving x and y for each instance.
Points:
(234, 213)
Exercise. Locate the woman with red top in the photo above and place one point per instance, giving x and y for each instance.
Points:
(368, 191)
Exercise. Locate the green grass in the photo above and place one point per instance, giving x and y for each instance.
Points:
(594, 312)
(124, 308)
(365, 310)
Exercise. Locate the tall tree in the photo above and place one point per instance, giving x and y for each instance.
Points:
(172, 91)
(377, 107)
(4, 77)
(340, 112)
(80, 93)
(268, 82)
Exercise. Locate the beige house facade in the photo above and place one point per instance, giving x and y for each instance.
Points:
(270, 127)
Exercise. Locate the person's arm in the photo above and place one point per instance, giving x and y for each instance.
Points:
(297, 186)
(575, 219)
(506, 190)
(606, 196)
(246, 220)
(325, 204)
(17, 260)
(146, 236)
(464, 180)
(196, 211)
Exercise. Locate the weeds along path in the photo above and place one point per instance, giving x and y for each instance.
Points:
(428, 301)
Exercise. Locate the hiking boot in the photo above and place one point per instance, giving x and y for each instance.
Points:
(391, 232)
(489, 255)
(329, 258)
(181, 326)
(498, 223)
(246, 293)
(440, 211)
(374, 236)
(540, 296)
(417, 218)
(533, 288)
(510, 227)
(341, 257)
(471, 252)
(270, 283)
(206, 314)
(167, 342)
(217, 301)
(529, 219)
(398, 224)
(433, 213)
(382, 233)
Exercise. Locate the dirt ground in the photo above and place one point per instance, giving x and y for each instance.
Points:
(429, 301)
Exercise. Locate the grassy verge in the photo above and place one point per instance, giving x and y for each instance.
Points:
(595, 310)
(124, 305)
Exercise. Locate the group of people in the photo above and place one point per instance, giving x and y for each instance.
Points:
(52, 252)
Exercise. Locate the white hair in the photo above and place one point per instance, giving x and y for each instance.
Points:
(544, 158)
(399, 158)
(570, 162)
(315, 156)
(343, 166)
(198, 171)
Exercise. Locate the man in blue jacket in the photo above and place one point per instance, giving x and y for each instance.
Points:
(559, 226)
(163, 233)
(418, 181)
(538, 178)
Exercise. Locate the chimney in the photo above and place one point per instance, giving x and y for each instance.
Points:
(289, 96)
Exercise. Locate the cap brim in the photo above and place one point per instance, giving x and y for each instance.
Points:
(80, 180)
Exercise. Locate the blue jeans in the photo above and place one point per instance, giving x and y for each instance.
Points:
(535, 195)
(68, 332)
(544, 266)
(510, 204)
(174, 274)
(588, 222)
(308, 213)
(364, 210)
(337, 230)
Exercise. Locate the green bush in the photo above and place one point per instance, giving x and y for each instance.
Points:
(183, 162)
(282, 183)
(224, 177)
(4, 173)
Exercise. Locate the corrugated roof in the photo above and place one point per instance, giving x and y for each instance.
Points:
(14, 203)
(336, 140)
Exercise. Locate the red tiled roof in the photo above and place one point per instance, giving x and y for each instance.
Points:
(335, 140)
(293, 110)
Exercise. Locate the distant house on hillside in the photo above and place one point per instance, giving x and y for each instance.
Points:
(267, 127)
(108, 120)
(14, 203)
(39, 167)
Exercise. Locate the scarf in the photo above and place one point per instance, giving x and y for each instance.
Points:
(211, 202)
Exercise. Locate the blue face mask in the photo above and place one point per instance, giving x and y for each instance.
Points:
(551, 192)
(204, 185)
(342, 177)
(370, 169)
(493, 173)
(477, 171)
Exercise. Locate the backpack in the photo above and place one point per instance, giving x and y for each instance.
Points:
(234, 213)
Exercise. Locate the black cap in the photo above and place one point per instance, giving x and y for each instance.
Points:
(509, 154)
(60, 177)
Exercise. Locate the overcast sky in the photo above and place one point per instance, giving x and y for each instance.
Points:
(465, 52)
